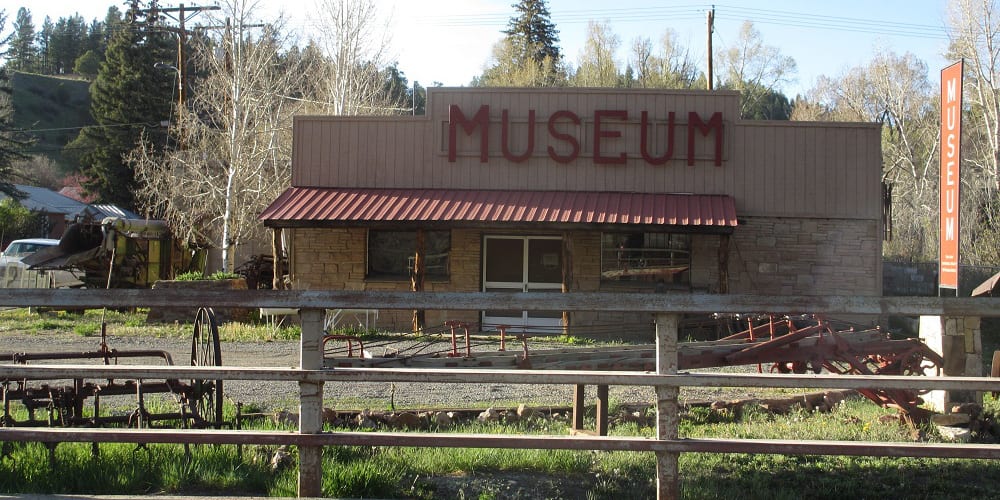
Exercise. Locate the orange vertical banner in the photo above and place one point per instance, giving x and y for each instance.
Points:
(950, 183)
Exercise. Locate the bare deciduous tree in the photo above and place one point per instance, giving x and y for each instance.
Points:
(234, 154)
(598, 64)
(974, 32)
(753, 68)
(356, 49)
(670, 68)
(895, 91)
(507, 69)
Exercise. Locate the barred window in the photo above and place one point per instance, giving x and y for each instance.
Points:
(652, 257)
(391, 254)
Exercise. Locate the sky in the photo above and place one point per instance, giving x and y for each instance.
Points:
(450, 41)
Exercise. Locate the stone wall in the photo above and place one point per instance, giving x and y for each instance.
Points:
(772, 256)
(784, 256)
(919, 279)
(334, 259)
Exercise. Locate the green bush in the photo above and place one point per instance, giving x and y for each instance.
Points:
(222, 275)
(198, 275)
(190, 276)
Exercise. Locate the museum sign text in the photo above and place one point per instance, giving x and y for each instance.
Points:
(564, 131)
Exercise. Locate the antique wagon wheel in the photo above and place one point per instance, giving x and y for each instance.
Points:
(205, 398)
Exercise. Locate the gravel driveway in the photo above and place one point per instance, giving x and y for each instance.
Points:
(284, 395)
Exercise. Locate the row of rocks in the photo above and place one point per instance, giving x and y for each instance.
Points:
(423, 419)
(965, 422)
(641, 415)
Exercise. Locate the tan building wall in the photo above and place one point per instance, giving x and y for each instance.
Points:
(771, 168)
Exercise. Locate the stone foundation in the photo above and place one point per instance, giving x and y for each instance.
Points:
(959, 341)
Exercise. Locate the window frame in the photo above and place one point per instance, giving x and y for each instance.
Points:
(436, 272)
(637, 265)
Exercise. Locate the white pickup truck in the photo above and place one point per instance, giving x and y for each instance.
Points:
(12, 270)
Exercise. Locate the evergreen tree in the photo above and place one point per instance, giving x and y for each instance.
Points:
(44, 65)
(23, 51)
(128, 99)
(68, 41)
(113, 21)
(95, 37)
(10, 146)
(529, 54)
(532, 31)
(772, 105)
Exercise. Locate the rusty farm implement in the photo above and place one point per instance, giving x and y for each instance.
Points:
(802, 344)
(81, 402)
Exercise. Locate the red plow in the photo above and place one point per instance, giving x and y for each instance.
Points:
(801, 344)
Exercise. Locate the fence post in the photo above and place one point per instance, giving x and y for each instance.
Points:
(311, 403)
(667, 409)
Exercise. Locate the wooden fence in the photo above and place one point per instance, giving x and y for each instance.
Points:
(665, 308)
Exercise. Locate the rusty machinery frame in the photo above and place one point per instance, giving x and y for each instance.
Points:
(199, 401)
(786, 344)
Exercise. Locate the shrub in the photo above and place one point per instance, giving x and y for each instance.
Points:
(198, 275)
(190, 276)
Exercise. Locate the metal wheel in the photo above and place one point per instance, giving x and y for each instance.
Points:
(205, 398)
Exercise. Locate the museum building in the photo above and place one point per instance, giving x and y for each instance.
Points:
(596, 190)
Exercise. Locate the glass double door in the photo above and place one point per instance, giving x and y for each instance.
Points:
(523, 264)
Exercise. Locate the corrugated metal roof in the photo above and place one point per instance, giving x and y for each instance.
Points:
(47, 201)
(300, 205)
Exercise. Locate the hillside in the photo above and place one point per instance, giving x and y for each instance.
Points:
(56, 107)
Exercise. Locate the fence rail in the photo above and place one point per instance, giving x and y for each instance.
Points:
(666, 446)
(531, 301)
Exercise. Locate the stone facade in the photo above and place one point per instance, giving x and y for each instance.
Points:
(790, 256)
(775, 256)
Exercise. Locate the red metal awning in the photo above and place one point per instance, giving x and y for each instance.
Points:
(303, 206)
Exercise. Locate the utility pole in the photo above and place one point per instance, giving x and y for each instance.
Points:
(180, 15)
(711, 29)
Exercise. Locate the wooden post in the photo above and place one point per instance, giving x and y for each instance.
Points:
(567, 275)
(277, 279)
(667, 410)
(417, 280)
(723, 263)
(602, 410)
(579, 407)
(311, 403)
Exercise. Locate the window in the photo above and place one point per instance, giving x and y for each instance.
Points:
(646, 257)
(391, 254)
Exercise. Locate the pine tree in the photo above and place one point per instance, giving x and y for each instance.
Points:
(68, 41)
(128, 100)
(532, 31)
(23, 51)
(44, 65)
(529, 53)
(10, 147)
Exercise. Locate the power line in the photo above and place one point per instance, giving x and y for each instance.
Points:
(692, 12)
(81, 127)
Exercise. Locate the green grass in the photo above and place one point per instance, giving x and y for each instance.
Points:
(131, 323)
(402, 472)
(55, 104)
(424, 473)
